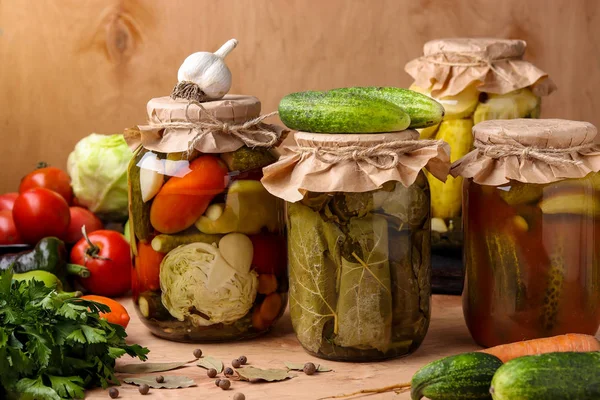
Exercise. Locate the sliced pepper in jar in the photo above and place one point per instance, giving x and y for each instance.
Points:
(182, 200)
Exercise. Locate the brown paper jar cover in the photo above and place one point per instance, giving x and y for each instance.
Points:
(232, 108)
(449, 66)
(530, 151)
(299, 171)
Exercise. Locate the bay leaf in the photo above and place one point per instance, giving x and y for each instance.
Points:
(257, 374)
(170, 382)
(145, 368)
(209, 362)
(300, 367)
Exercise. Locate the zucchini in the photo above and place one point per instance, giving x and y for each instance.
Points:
(551, 376)
(422, 110)
(464, 376)
(334, 112)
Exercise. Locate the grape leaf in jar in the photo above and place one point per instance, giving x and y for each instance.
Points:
(404, 206)
(364, 304)
(314, 262)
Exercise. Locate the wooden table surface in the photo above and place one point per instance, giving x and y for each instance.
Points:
(447, 335)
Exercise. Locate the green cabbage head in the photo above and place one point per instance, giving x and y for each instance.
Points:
(98, 170)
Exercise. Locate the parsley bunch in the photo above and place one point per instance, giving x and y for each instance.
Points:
(54, 345)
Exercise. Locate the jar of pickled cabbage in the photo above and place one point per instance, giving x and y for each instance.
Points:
(475, 80)
(207, 239)
(532, 230)
(358, 241)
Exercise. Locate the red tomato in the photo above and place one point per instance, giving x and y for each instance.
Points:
(8, 230)
(270, 254)
(49, 178)
(39, 213)
(109, 260)
(7, 201)
(79, 217)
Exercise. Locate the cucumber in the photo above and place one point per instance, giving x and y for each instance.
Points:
(464, 376)
(139, 212)
(331, 112)
(551, 376)
(422, 110)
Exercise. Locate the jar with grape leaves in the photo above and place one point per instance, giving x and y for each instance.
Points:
(358, 243)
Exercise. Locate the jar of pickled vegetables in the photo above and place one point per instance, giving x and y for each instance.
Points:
(358, 241)
(532, 230)
(475, 80)
(207, 239)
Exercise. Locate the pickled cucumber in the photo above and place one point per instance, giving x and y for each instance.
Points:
(151, 306)
(139, 211)
(571, 203)
(245, 158)
(165, 243)
(521, 193)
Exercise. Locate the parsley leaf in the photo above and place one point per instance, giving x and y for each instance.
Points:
(52, 345)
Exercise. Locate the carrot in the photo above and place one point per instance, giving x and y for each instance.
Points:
(271, 307)
(267, 283)
(117, 315)
(556, 344)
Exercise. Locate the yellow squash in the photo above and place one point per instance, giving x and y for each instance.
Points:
(446, 198)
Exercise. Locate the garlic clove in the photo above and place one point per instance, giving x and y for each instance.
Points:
(151, 178)
(237, 250)
(209, 71)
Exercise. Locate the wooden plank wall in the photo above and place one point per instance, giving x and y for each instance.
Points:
(72, 67)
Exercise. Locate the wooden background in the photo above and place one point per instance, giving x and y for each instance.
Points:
(72, 67)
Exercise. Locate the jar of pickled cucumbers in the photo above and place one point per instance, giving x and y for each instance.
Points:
(358, 241)
(207, 239)
(532, 230)
(475, 79)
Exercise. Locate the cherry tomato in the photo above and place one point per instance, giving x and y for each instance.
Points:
(51, 178)
(107, 255)
(7, 200)
(147, 265)
(8, 230)
(79, 217)
(39, 213)
(117, 315)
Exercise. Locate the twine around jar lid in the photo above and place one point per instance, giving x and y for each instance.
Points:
(353, 163)
(449, 66)
(531, 151)
(219, 126)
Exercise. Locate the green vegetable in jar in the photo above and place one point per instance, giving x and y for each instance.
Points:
(248, 208)
(360, 257)
(245, 158)
(200, 285)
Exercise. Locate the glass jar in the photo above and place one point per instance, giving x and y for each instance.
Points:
(359, 266)
(471, 92)
(532, 254)
(208, 241)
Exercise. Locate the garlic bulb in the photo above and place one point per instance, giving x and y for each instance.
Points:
(209, 71)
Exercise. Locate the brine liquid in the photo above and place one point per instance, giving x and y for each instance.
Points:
(532, 257)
